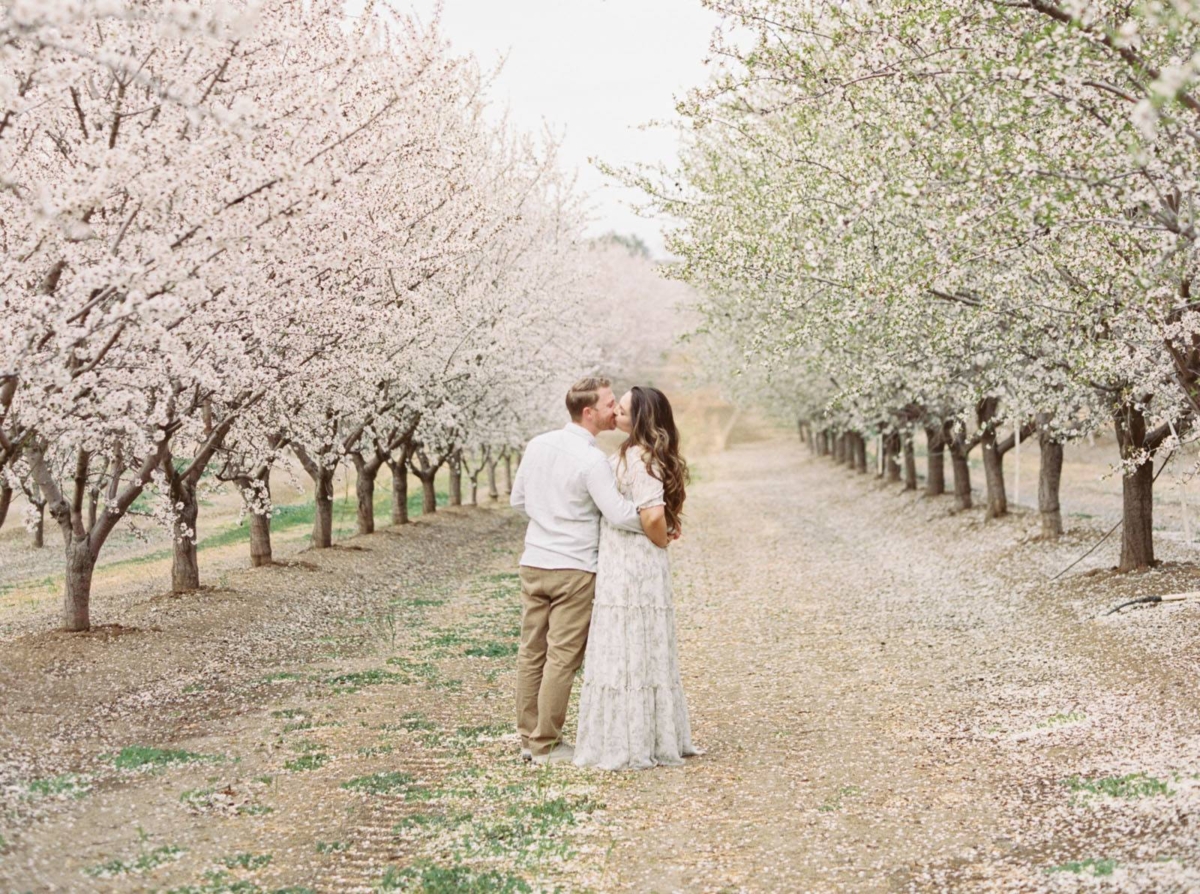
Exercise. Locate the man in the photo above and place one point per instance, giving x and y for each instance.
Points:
(564, 484)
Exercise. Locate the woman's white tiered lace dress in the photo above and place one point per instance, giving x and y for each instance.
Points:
(632, 713)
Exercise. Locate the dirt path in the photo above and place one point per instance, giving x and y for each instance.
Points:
(890, 698)
(884, 709)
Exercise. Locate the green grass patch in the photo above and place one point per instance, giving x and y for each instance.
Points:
(374, 750)
(53, 786)
(254, 810)
(312, 761)
(144, 862)
(390, 783)
(419, 602)
(142, 757)
(352, 682)
(1134, 785)
(331, 847)
(530, 831)
(250, 862)
(430, 878)
(289, 713)
(444, 637)
(486, 731)
(1089, 866)
(412, 721)
(492, 649)
(431, 822)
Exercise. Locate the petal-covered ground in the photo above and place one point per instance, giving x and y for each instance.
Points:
(892, 698)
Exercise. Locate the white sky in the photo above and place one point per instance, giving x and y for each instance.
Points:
(594, 70)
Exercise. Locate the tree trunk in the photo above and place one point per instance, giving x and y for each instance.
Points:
(322, 536)
(37, 538)
(891, 450)
(993, 459)
(910, 464)
(493, 493)
(256, 493)
(1137, 535)
(6, 493)
(455, 464)
(860, 454)
(1049, 477)
(260, 540)
(364, 491)
(962, 472)
(81, 563)
(429, 494)
(185, 564)
(83, 545)
(935, 475)
(399, 490)
(507, 471)
(993, 472)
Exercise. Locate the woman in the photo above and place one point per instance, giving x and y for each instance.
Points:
(632, 713)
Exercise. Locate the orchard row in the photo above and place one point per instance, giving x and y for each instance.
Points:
(234, 233)
(971, 220)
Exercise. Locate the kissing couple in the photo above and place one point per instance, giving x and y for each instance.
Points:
(596, 585)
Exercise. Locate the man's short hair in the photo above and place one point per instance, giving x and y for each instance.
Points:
(584, 394)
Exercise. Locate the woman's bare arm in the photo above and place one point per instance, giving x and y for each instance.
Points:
(654, 524)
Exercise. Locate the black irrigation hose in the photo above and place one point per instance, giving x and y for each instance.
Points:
(1088, 553)
(1145, 600)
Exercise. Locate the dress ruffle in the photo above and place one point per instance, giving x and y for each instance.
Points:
(632, 710)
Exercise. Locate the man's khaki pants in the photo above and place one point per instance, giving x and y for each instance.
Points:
(556, 611)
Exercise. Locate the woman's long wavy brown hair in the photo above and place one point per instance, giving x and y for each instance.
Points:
(653, 429)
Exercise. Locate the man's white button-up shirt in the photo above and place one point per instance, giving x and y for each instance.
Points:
(564, 484)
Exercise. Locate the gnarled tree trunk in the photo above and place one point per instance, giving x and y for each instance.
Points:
(891, 452)
(367, 471)
(6, 493)
(37, 537)
(1049, 477)
(508, 471)
(426, 473)
(935, 462)
(962, 471)
(429, 495)
(493, 493)
(455, 465)
(399, 469)
(81, 564)
(185, 563)
(860, 454)
(993, 459)
(82, 545)
(910, 463)
(322, 478)
(1137, 535)
(260, 523)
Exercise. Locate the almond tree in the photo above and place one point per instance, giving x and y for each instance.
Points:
(164, 175)
(1006, 185)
